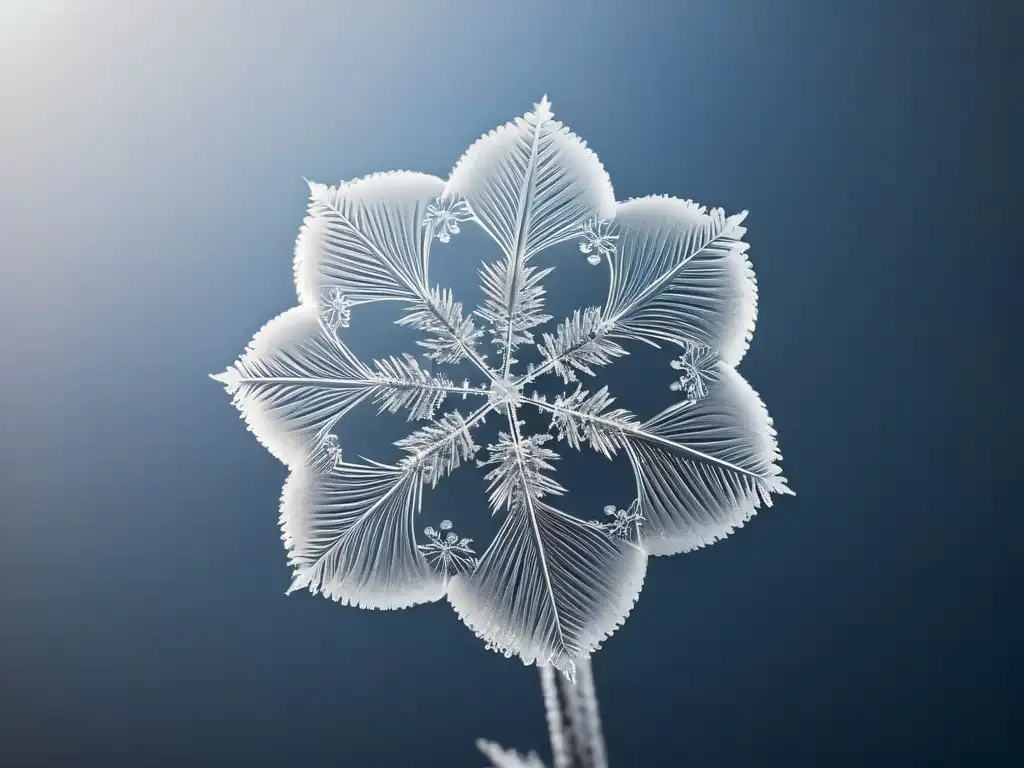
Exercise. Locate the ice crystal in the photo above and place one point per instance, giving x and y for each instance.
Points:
(550, 587)
(625, 523)
(506, 391)
(446, 552)
(444, 215)
(332, 448)
(597, 240)
(335, 308)
(697, 365)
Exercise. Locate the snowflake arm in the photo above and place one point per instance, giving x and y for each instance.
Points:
(511, 317)
(530, 184)
(399, 383)
(579, 344)
(297, 379)
(680, 274)
(350, 532)
(550, 588)
(366, 240)
(582, 417)
(702, 467)
(441, 447)
(520, 467)
(452, 335)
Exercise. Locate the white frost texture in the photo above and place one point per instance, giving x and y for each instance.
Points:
(550, 587)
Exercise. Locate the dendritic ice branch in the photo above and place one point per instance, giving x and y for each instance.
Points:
(550, 587)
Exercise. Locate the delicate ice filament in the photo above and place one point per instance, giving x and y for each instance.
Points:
(444, 215)
(625, 523)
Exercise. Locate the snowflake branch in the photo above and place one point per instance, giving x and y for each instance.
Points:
(529, 492)
(513, 317)
(401, 383)
(441, 447)
(445, 325)
(519, 466)
(579, 343)
(616, 429)
(424, 296)
(517, 256)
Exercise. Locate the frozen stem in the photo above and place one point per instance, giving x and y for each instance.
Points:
(574, 722)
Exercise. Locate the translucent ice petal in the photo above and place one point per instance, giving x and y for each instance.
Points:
(292, 385)
(531, 183)
(550, 588)
(688, 502)
(681, 275)
(350, 536)
(366, 238)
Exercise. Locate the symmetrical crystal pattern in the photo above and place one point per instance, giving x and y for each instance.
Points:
(550, 587)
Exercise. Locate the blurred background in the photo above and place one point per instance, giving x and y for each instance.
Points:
(151, 164)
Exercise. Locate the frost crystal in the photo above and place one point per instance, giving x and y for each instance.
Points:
(335, 308)
(698, 367)
(597, 240)
(444, 215)
(500, 757)
(504, 392)
(550, 587)
(446, 552)
(625, 523)
(333, 450)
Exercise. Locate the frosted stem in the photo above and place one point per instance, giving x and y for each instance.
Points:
(589, 716)
(574, 722)
(556, 725)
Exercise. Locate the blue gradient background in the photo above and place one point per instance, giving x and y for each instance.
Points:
(151, 156)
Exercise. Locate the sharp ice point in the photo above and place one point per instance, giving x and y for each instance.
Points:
(228, 379)
(316, 189)
(543, 108)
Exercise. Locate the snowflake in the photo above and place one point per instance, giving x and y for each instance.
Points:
(446, 552)
(335, 308)
(550, 587)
